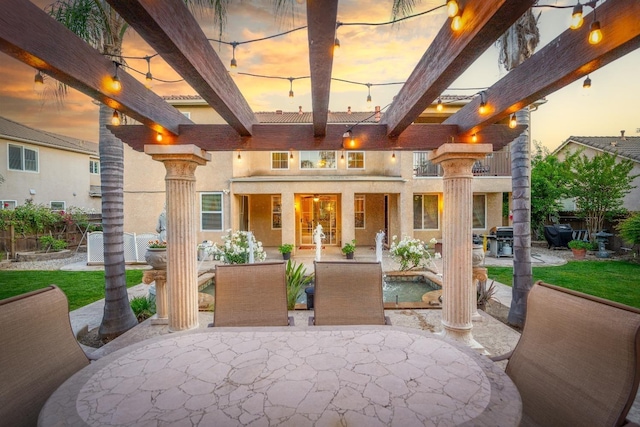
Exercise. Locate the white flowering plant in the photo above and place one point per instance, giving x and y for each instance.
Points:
(235, 248)
(411, 253)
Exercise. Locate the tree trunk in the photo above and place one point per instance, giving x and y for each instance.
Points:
(521, 191)
(118, 316)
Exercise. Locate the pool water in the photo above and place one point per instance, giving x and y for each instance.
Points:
(394, 289)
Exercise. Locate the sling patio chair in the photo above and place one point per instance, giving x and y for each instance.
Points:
(348, 293)
(251, 295)
(577, 362)
(38, 352)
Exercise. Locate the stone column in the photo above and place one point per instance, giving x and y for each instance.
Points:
(182, 276)
(458, 297)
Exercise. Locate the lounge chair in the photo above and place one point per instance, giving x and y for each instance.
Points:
(577, 361)
(251, 295)
(38, 352)
(348, 293)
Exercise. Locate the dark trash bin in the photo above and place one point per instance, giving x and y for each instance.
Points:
(309, 290)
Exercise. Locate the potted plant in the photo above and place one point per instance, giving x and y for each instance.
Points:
(297, 280)
(285, 249)
(579, 248)
(349, 248)
(156, 254)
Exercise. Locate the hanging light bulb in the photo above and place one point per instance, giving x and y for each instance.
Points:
(234, 63)
(369, 93)
(290, 87)
(456, 23)
(336, 44)
(452, 8)
(38, 82)
(159, 137)
(393, 157)
(474, 138)
(148, 78)
(576, 17)
(115, 80)
(595, 34)
(512, 121)
(483, 105)
(439, 106)
(352, 139)
(587, 83)
(115, 118)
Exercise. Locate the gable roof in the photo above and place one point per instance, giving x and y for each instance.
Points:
(20, 133)
(627, 146)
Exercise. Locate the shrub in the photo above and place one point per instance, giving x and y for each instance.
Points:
(51, 243)
(235, 248)
(143, 308)
(297, 280)
(409, 253)
(629, 229)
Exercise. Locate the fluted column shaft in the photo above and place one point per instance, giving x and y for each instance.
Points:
(458, 296)
(182, 275)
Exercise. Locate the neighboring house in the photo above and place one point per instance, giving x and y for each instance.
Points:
(54, 170)
(625, 147)
(282, 195)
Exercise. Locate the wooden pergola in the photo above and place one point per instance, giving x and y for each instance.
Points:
(169, 28)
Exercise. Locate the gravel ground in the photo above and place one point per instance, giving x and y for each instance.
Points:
(54, 264)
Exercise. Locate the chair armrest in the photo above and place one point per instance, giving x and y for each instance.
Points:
(630, 424)
(500, 357)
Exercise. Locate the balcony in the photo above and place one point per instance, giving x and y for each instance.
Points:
(495, 164)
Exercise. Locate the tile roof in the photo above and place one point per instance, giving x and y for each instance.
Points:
(628, 147)
(15, 131)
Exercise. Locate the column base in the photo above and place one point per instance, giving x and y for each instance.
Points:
(155, 320)
(477, 317)
(196, 326)
(463, 336)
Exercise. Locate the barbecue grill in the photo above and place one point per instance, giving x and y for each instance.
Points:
(501, 242)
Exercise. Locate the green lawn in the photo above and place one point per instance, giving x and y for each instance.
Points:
(81, 287)
(613, 280)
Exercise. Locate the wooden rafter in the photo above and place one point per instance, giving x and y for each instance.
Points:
(321, 22)
(449, 55)
(279, 137)
(571, 57)
(30, 35)
(174, 33)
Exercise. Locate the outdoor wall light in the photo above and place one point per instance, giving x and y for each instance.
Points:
(316, 197)
(290, 155)
(512, 121)
(439, 106)
(239, 157)
(342, 156)
(115, 118)
(393, 157)
(576, 17)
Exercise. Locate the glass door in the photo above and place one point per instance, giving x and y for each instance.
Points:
(318, 209)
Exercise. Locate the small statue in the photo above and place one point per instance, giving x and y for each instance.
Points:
(379, 241)
(161, 227)
(318, 235)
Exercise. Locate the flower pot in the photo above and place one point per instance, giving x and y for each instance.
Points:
(349, 255)
(156, 258)
(579, 253)
(286, 256)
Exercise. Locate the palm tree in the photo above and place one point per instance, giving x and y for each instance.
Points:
(99, 25)
(516, 45)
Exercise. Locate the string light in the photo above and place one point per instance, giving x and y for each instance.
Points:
(115, 80)
(148, 78)
(483, 105)
(512, 121)
(474, 138)
(452, 8)
(587, 83)
(595, 34)
(159, 137)
(115, 118)
(234, 63)
(38, 81)
(576, 17)
(291, 87)
(336, 44)
(439, 107)
(369, 93)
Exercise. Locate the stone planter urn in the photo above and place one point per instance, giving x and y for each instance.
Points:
(156, 258)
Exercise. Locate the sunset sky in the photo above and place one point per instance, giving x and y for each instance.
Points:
(368, 54)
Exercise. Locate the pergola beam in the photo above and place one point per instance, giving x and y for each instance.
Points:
(449, 55)
(571, 57)
(174, 33)
(28, 34)
(321, 23)
(282, 137)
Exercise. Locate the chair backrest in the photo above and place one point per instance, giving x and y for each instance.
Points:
(38, 352)
(576, 363)
(348, 293)
(251, 295)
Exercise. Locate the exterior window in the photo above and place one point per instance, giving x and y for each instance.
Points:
(355, 160)
(94, 167)
(317, 160)
(211, 211)
(7, 204)
(358, 210)
(57, 206)
(425, 212)
(276, 212)
(22, 158)
(280, 160)
(479, 211)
